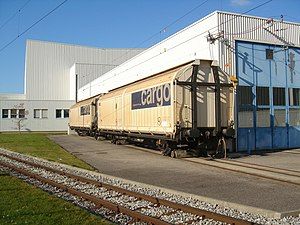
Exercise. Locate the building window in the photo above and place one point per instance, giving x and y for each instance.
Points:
(21, 113)
(5, 113)
(13, 113)
(269, 53)
(40, 113)
(37, 113)
(245, 95)
(262, 96)
(44, 113)
(66, 113)
(279, 117)
(294, 115)
(279, 96)
(245, 117)
(58, 113)
(263, 117)
(294, 96)
(62, 113)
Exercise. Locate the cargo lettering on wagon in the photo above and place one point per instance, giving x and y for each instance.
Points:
(151, 97)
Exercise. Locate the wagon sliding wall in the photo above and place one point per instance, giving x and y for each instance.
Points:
(261, 56)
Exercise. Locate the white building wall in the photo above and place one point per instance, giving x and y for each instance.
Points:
(184, 46)
(12, 96)
(50, 68)
(47, 73)
(191, 43)
(253, 29)
(87, 72)
(35, 124)
(72, 83)
(50, 81)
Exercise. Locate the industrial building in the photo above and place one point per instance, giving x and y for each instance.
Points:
(50, 83)
(259, 55)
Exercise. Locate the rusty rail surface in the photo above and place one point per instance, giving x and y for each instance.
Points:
(263, 167)
(97, 201)
(248, 173)
(120, 209)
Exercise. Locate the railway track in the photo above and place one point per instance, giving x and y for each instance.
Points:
(285, 175)
(289, 172)
(291, 152)
(267, 172)
(139, 207)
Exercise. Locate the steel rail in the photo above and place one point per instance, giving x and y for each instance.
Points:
(290, 152)
(97, 201)
(235, 170)
(244, 172)
(255, 165)
(155, 200)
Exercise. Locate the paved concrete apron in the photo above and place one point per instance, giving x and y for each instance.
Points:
(288, 159)
(142, 166)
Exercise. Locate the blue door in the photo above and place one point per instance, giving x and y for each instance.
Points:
(293, 89)
(268, 95)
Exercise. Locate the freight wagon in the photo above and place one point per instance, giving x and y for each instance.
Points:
(188, 108)
(83, 116)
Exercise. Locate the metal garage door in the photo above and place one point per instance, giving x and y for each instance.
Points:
(268, 103)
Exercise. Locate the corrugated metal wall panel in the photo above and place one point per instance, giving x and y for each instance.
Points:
(184, 46)
(253, 29)
(48, 66)
(88, 72)
(12, 96)
(191, 43)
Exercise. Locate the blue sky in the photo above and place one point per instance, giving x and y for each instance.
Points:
(108, 24)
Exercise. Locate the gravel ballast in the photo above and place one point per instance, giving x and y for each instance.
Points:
(127, 201)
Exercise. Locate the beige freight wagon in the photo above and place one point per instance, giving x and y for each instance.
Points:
(189, 105)
(83, 116)
(165, 107)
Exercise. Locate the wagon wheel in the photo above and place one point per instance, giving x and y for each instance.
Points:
(174, 154)
(221, 148)
(167, 150)
(113, 140)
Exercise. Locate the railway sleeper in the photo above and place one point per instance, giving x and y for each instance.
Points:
(117, 208)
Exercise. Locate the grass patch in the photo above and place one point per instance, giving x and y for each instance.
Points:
(21, 203)
(37, 144)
